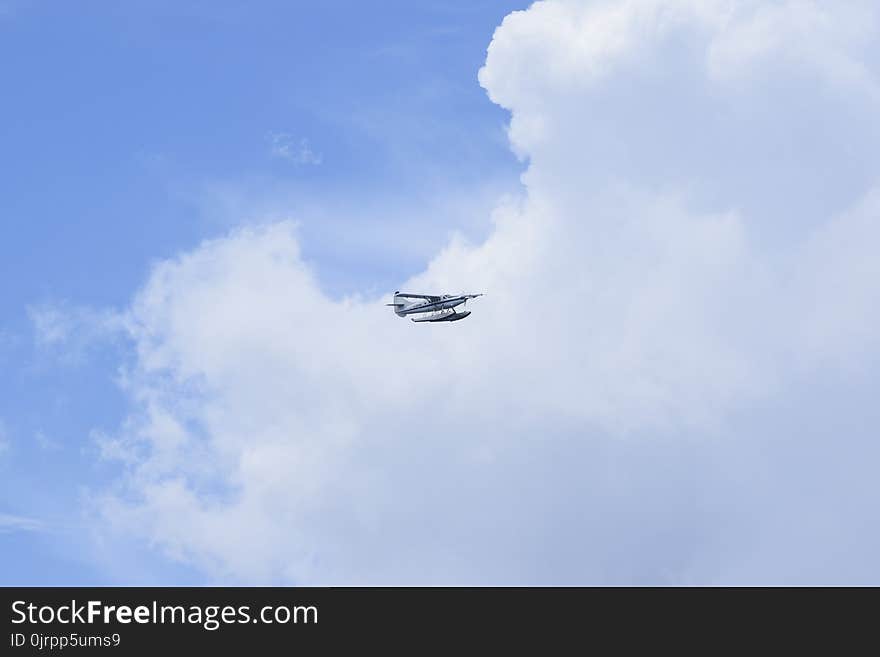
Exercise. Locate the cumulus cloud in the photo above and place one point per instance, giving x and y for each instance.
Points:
(676, 321)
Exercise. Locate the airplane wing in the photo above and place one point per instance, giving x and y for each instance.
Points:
(417, 296)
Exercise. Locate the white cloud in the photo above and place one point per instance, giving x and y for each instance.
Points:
(829, 40)
(838, 276)
(284, 146)
(612, 408)
(556, 50)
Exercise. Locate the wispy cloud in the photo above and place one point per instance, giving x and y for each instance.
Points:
(10, 523)
(4, 442)
(67, 332)
(45, 442)
(297, 151)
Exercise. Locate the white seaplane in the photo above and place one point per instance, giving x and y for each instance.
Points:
(430, 308)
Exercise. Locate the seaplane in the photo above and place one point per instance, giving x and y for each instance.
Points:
(431, 308)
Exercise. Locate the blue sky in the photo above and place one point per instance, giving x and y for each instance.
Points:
(673, 207)
(132, 131)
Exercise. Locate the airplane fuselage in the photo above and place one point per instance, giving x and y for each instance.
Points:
(430, 306)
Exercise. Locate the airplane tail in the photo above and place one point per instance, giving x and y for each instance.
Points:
(399, 304)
